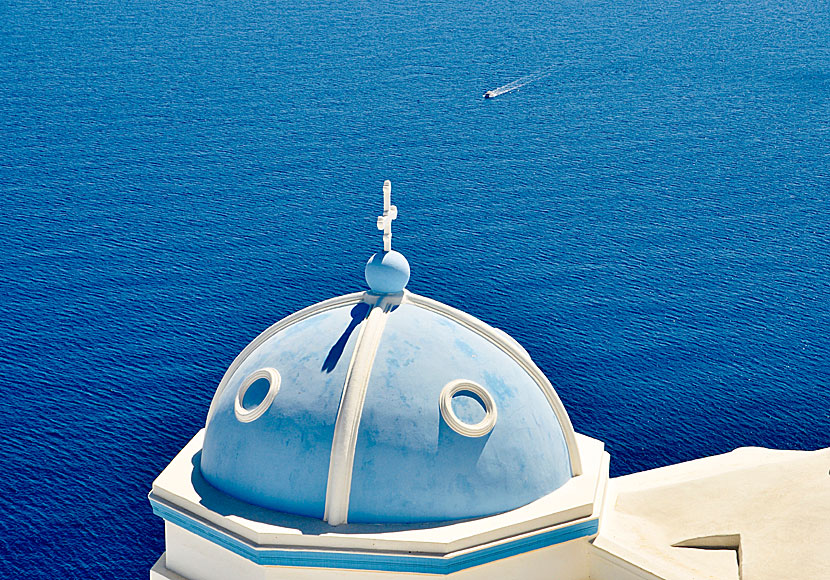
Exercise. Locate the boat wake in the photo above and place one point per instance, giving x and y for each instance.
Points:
(518, 83)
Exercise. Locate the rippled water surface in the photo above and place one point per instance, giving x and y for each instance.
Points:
(648, 216)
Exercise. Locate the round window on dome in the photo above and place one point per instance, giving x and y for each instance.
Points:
(468, 408)
(256, 394)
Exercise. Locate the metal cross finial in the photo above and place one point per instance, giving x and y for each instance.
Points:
(390, 212)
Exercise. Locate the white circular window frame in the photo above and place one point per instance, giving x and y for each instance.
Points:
(248, 415)
(479, 429)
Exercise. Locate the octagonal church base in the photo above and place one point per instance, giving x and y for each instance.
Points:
(213, 536)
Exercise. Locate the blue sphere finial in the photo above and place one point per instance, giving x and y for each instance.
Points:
(387, 272)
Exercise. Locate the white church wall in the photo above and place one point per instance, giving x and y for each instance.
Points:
(190, 557)
(159, 571)
(567, 561)
(195, 558)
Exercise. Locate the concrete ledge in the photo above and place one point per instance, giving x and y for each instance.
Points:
(605, 565)
(752, 513)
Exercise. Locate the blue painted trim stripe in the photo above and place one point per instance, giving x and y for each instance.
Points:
(378, 562)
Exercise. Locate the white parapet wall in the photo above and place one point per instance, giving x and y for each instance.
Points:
(194, 558)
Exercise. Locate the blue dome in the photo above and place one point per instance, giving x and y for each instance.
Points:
(382, 409)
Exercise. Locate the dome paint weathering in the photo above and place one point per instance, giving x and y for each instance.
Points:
(280, 460)
(406, 463)
(440, 474)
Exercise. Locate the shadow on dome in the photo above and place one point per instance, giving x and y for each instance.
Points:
(225, 505)
(465, 451)
(358, 314)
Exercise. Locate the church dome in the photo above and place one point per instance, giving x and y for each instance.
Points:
(386, 408)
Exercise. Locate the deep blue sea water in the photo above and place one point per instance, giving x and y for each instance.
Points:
(650, 220)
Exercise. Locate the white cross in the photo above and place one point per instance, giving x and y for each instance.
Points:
(390, 212)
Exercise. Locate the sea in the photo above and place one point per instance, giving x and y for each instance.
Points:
(647, 212)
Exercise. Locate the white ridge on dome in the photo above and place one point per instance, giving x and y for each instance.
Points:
(390, 212)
